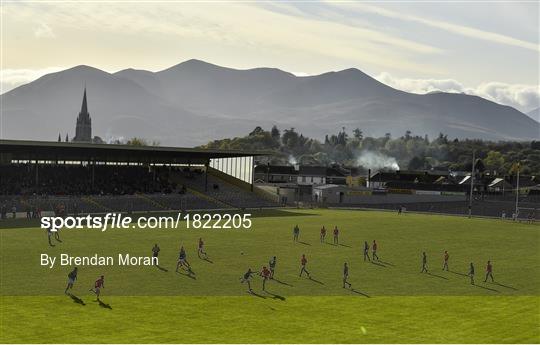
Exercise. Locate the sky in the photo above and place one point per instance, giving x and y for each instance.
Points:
(490, 49)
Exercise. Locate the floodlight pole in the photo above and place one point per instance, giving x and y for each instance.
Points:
(37, 173)
(206, 164)
(517, 191)
(472, 186)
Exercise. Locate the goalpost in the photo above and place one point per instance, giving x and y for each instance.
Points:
(531, 214)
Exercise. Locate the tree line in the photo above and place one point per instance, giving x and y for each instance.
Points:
(410, 151)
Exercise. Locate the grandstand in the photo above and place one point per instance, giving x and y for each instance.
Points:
(82, 178)
(37, 177)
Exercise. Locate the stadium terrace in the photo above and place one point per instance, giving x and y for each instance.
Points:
(75, 178)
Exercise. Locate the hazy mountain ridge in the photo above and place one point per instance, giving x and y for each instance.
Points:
(194, 102)
(535, 114)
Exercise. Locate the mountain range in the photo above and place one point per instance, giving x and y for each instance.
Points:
(535, 114)
(194, 102)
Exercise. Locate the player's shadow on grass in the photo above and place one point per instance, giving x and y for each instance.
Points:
(104, 305)
(504, 286)
(344, 245)
(378, 264)
(280, 282)
(316, 281)
(304, 243)
(386, 263)
(331, 244)
(436, 276)
(208, 260)
(275, 296)
(253, 293)
(458, 273)
(360, 293)
(77, 299)
(486, 288)
(162, 268)
(189, 274)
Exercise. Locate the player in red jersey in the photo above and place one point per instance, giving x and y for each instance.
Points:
(446, 257)
(303, 262)
(336, 235)
(374, 251)
(265, 274)
(200, 251)
(323, 234)
(366, 251)
(489, 272)
(98, 285)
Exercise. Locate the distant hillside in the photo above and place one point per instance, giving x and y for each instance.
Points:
(194, 102)
(535, 114)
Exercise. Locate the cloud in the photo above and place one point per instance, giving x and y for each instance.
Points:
(11, 78)
(462, 30)
(520, 96)
(257, 30)
(420, 85)
(44, 31)
(525, 97)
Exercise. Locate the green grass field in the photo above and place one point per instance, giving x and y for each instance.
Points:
(391, 300)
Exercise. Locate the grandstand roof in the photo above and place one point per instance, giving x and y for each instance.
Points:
(69, 151)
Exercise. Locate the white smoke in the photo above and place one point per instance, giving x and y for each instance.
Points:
(113, 139)
(292, 160)
(376, 161)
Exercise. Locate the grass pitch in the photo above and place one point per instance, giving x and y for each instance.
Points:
(391, 300)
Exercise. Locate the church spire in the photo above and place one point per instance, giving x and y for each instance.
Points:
(84, 107)
(83, 129)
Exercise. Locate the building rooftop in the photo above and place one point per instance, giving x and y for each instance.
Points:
(62, 151)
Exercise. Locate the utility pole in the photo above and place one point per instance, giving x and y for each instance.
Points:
(517, 191)
(472, 186)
